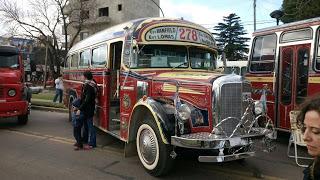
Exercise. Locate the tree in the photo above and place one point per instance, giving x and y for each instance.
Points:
(44, 21)
(229, 37)
(295, 10)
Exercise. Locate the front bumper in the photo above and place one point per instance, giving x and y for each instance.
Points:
(15, 108)
(208, 141)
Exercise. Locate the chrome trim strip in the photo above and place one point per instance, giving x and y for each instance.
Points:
(226, 157)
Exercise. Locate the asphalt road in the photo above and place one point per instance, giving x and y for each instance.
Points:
(42, 149)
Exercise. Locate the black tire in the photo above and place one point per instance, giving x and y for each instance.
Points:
(160, 162)
(23, 119)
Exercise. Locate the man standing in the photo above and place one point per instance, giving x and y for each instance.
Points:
(59, 89)
(87, 107)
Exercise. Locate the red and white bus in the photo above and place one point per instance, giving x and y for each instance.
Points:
(15, 95)
(159, 89)
(286, 60)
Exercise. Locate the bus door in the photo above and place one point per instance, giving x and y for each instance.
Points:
(293, 78)
(114, 104)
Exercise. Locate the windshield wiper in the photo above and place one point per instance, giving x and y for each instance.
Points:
(179, 65)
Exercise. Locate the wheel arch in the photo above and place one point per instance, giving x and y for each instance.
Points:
(155, 110)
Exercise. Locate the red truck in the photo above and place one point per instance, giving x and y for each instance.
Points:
(14, 93)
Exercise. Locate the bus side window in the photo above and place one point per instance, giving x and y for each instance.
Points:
(67, 63)
(317, 59)
(263, 55)
(84, 59)
(99, 56)
(74, 61)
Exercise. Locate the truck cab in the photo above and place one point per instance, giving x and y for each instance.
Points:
(14, 94)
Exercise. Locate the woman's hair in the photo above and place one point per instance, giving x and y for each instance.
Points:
(88, 75)
(313, 104)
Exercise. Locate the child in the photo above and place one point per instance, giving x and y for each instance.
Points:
(77, 122)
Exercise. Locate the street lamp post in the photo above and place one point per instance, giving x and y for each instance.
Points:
(158, 7)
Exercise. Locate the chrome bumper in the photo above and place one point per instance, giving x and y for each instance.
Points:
(206, 140)
(225, 158)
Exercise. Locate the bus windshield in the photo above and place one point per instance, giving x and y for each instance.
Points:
(164, 56)
(9, 61)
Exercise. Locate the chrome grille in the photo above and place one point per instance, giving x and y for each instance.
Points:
(232, 104)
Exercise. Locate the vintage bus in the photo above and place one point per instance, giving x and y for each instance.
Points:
(159, 90)
(285, 59)
(15, 95)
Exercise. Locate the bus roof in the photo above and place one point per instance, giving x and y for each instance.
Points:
(138, 26)
(288, 26)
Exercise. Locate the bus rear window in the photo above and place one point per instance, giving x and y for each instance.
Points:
(263, 55)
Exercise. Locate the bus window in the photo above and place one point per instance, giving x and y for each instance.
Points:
(201, 59)
(286, 74)
(302, 75)
(234, 69)
(84, 59)
(155, 56)
(317, 59)
(243, 71)
(99, 56)
(297, 35)
(74, 61)
(67, 63)
(263, 55)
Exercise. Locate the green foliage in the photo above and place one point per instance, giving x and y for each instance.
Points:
(229, 37)
(295, 10)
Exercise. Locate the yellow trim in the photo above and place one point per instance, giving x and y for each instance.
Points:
(260, 79)
(172, 88)
(315, 80)
(186, 75)
(140, 102)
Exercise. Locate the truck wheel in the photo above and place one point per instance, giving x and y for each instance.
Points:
(23, 119)
(153, 153)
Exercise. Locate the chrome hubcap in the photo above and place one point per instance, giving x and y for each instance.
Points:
(147, 146)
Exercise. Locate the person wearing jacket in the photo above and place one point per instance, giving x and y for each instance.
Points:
(309, 121)
(87, 107)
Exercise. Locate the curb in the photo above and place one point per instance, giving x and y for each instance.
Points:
(45, 108)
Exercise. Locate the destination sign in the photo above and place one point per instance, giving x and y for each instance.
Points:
(175, 33)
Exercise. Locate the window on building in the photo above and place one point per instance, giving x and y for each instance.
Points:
(84, 59)
(99, 56)
(119, 7)
(104, 11)
(263, 55)
(83, 35)
(84, 14)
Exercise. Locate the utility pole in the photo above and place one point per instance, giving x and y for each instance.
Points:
(254, 15)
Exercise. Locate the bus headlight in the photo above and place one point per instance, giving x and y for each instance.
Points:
(184, 112)
(258, 107)
(12, 92)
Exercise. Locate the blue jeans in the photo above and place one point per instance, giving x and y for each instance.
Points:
(89, 133)
(59, 92)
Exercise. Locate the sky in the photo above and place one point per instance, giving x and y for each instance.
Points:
(210, 12)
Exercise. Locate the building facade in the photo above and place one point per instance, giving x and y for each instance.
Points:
(96, 15)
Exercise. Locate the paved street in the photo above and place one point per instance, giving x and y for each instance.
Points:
(43, 150)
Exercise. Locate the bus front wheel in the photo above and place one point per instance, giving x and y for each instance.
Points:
(153, 153)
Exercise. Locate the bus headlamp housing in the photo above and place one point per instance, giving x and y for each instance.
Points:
(184, 112)
(258, 107)
(12, 92)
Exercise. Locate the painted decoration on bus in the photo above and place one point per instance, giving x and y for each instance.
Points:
(175, 33)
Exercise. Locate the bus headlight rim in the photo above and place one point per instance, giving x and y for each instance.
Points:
(12, 92)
